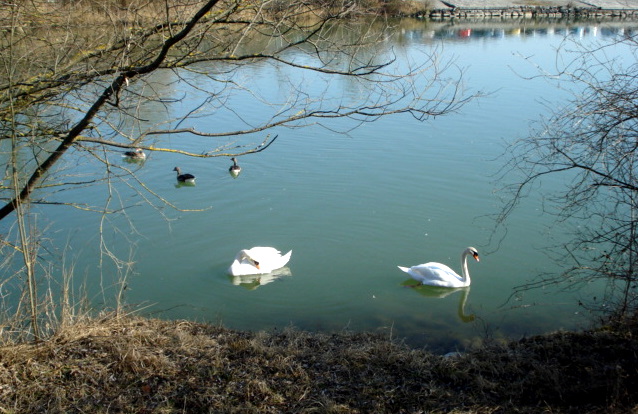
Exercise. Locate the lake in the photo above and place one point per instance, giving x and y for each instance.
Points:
(351, 206)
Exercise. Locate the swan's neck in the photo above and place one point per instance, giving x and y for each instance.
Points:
(464, 269)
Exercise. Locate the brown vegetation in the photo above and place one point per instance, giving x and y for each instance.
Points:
(154, 366)
(139, 14)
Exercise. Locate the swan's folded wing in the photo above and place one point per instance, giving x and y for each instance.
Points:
(435, 272)
(285, 258)
(277, 262)
(269, 258)
(263, 253)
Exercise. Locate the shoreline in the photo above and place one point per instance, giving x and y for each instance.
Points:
(132, 364)
(540, 9)
(528, 13)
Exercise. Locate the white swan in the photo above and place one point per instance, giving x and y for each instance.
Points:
(438, 274)
(258, 260)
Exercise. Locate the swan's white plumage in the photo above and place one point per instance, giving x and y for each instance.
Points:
(438, 274)
(268, 259)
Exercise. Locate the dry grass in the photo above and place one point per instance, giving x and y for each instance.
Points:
(392, 8)
(405, 8)
(138, 365)
(138, 13)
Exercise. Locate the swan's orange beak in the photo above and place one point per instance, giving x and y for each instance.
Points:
(256, 263)
(475, 255)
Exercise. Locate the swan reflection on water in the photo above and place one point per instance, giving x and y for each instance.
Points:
(252, 282)
(442, 292)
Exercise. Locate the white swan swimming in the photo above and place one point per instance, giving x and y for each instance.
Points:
(258, 260)
(438, 274)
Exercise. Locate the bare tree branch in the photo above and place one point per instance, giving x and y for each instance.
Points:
(592, 141)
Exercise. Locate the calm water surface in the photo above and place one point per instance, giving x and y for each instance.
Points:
(353, 207)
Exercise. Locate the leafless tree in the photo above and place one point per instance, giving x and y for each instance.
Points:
(591, 143)
(79, 77)
(76, 75)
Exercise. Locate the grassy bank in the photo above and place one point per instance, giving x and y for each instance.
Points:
(138, 365)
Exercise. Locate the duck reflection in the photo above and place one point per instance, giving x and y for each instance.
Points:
(252, 282)
(442, 292)
(180, 184)
(133, 160)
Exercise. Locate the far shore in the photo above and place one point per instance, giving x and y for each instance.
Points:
(539, 9)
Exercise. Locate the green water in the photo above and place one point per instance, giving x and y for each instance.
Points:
(351, 207)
